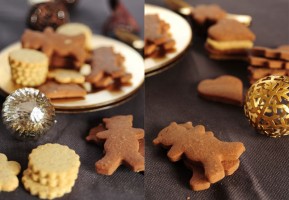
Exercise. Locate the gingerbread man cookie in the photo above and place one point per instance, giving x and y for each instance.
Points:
(121, 145)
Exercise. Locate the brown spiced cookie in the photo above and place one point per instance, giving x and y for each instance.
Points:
(93, 132)
(257, 73)
(105, 62)
(268, 63)
(230, 30)
(122, 145)
(280, 53)
(197, 145)
(158, 39)
(55, 90)
(199, 181)
(211, 13)
(226, 89)
(51, 43)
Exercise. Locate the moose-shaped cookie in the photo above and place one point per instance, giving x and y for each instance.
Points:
(52, 43)
(199, 146)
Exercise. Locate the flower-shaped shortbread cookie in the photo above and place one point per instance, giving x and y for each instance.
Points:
(8, 174)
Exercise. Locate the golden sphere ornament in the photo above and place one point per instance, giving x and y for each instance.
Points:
(267, 105)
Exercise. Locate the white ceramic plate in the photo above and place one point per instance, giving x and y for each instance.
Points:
(133, 63)
(181, 32)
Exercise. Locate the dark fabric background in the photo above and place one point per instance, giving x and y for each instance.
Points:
(172, 96)
(71, 129)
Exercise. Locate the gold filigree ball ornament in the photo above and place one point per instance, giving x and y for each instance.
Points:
(28, 113)
(267, 105)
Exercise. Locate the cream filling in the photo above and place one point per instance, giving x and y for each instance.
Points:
(229, 45)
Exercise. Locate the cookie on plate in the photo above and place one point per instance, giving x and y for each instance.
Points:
(54, 90)
(73, 29)
(28, 67)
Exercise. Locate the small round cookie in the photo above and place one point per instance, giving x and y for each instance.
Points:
(72, 29)
(66, 76)
(53, 161)
(28, 67)
(42, 191)
(8, 174)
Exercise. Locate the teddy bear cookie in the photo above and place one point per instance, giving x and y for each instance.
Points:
(217, 158)
(121, 144)
(92, 138)
(229, 39)
(28, 67)
(8, 174)
(52, 171)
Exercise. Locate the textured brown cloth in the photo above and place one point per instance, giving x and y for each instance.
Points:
(71, 129)
(172, 96)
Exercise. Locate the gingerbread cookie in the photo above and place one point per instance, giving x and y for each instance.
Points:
(73, 29)
(208, 14)
(8, 174)
(226, 89)
(199, 146)
(55, 90)
(229, 37)
(257, 73)
(199, 181)
(280, 53)
(92, 138)
(28, 67)
(121, 145)
(158, 39)
(105, 61)
(268, 61)
(52, 43)
(66, 76)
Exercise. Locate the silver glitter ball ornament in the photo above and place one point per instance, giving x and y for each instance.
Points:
(28, 113)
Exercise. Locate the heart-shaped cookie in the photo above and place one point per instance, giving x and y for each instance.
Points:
(230, 30)
(225, 89)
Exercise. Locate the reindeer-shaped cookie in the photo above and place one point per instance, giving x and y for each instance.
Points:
(51, 43)
(199, 146)
(121, 145)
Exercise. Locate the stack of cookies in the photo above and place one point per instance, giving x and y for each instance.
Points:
(158, 39)
(52, 171)
(28, 67)
(229, 39)
(209, 158)
(265, 61)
